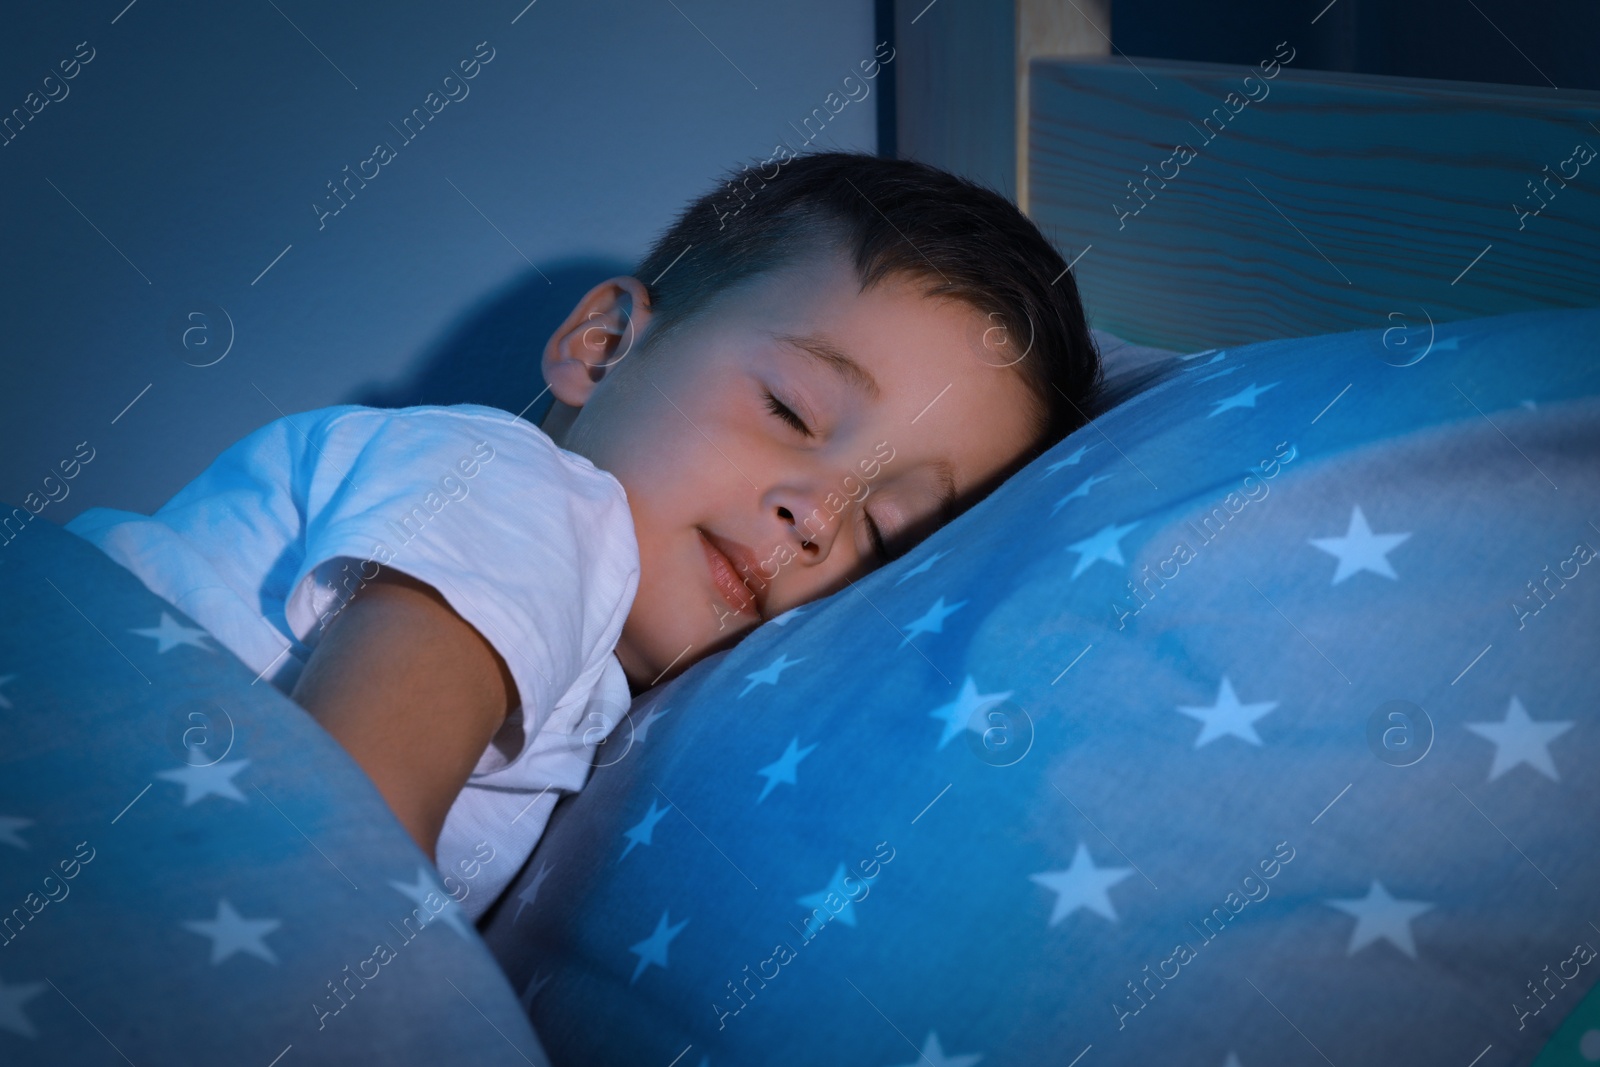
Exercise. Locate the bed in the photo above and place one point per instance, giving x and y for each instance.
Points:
(1254, 723)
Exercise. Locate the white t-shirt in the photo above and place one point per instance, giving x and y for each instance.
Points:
(531, 544)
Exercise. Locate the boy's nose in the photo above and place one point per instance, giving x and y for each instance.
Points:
(815, 530)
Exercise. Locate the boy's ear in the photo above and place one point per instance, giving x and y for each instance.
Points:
(599, 333)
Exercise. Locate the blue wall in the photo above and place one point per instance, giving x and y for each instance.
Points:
(188, 152)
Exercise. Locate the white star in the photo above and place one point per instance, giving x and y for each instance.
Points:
(933, 1055)
(819, 899)
(651, 716)
(4, 678)
(1218, 358)
(789, 616)
(769, 674)
(930, 622)
(784, 769)
(923, 567)
(1071, 461)
(530, 893)
(653, 949)
(419, 891)
(1082, 490)
(1083, 885)
(205, 780)
(1244, 398)
(642, 831)
(1228, 716)
(962, 712)
(1519, 739)
(1360, 549)
(230, 933)
(1380, 915)
(1223, 373)
(1102, 546)
(9, 827)
(171, 633)
(12, 998)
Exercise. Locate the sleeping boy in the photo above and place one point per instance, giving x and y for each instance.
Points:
(800, 392)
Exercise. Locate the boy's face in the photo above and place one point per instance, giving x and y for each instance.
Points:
(689, 432)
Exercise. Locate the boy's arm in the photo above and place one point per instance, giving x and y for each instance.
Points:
(412, 692)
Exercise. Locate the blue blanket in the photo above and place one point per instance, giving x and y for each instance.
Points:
(1254, 724)
(191, 869)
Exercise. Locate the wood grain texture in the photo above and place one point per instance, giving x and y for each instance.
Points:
(1326, 205)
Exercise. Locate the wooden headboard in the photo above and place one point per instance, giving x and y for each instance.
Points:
(1310, 202)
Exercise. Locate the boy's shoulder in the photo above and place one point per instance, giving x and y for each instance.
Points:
(487, 430)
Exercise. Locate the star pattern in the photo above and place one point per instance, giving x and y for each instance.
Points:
(1360, 549)
(1103, 545)
(783, 770)
(1380, 916)
(530, 892)
(641, 831)
(1069, 461)
(1518, 739)
(641, 730)
(930, 621)
(12, 998)
(789, 616)
(923, 567)
(768, 675)
(11, 828)
(653, 949)
(1227, 717)
(1244, 398)
(170, 633)
(418, 891)
(933, 1055)
(1081, 491)
(1082, 885)
(231, 933)
(847, 914)
(535, 984)
(208, 780)
(963, 712)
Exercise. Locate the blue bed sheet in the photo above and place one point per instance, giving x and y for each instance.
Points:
(191, 869)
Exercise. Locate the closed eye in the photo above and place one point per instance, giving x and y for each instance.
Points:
(782, 411)
(877, 540)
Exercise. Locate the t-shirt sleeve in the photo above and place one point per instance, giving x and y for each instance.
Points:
(532, 545)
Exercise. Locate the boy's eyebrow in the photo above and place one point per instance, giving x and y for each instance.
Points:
(835, 359)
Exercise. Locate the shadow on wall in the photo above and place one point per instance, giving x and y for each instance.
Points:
(491, 355)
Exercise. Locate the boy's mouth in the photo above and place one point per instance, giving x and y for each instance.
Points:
(725, 558)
